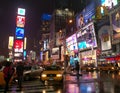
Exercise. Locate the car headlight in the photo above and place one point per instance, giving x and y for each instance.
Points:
(44, 75)
(59, 75)
(112, 67)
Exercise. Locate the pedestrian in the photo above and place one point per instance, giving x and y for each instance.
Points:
(8, 72)
(19, 72)
(77, 67)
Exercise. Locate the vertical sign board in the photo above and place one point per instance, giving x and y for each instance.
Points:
(19, 36)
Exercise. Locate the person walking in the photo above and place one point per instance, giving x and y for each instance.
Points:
(19, 72)
(8, 72)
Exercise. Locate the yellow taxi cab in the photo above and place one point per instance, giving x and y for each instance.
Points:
(2, 81)
(52, 73)
(107, 67)
(89, 67)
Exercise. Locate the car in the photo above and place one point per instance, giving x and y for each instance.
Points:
(107, 67)
(32, 72)
(52, 73)
(89, 67)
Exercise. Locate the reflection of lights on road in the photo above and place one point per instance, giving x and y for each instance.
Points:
(43, 91)
(89, 89)
(73, 88)
(59, 91)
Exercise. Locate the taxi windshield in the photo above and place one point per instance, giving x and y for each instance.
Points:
(53, 68)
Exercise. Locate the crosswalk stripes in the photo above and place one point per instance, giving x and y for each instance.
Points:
(30, 87)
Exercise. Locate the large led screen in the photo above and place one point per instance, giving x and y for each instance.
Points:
(18, 46)
(86, 37)
(20, 21)
(71, 43)
(19, 33)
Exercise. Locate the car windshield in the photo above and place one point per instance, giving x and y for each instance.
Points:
(52, 68)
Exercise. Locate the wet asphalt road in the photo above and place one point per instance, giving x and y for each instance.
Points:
(89, 82)
(92, 82)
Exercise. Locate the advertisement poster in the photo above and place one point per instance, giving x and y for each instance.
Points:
(104, 35)
(86, 15)
(86, 37)
(116, 24)
(20, 21)
(55, 53)
(18, 45)
(19, 33)
(71, 43)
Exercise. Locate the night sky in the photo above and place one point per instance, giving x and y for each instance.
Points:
(8, 13)
(34, 11)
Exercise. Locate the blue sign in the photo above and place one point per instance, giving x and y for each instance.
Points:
(19, 33)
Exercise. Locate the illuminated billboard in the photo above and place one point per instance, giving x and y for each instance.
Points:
(71, 43)
(10, 44)
(115, 22)
(55, 53)
(21, 11)
(19, 33)
(109, 3)
(20, 21)
(18, 46)
(86, 37)
(25, 42)
(86, 15)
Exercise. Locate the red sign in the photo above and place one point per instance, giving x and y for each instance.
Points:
(20, 21)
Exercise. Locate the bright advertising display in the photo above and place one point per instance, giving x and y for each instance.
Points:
(71, 43)
(55, 53)
(18, 46)
(86, 15)
(86, 37)
(109, 3)
(10, 44)
(20, 21)
(104, 35)
(115, 22)
(19, 33)
(21, 11)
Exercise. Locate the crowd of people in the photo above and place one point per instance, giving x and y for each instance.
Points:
(11, 72)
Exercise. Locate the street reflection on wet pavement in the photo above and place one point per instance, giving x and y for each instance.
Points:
(93, 82)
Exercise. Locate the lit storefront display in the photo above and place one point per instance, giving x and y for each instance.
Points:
(87, 43)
